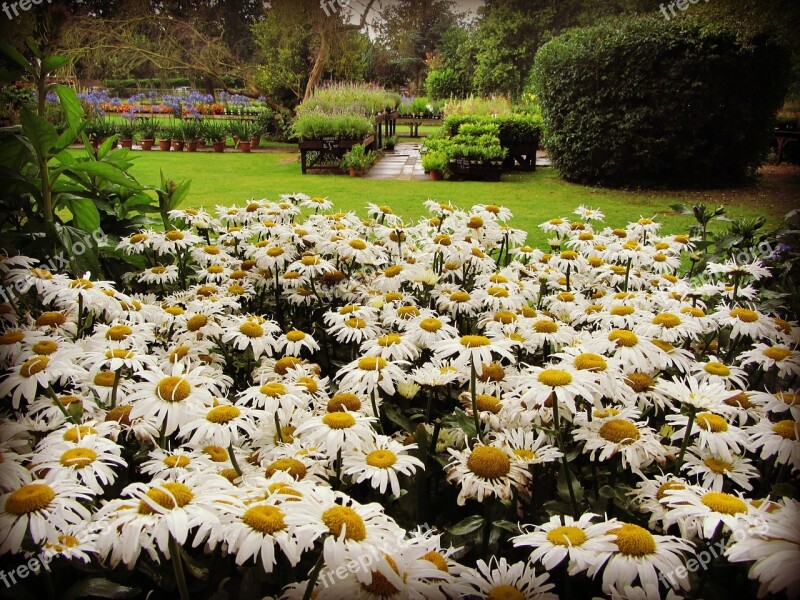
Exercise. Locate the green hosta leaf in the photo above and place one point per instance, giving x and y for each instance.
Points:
(466, 526)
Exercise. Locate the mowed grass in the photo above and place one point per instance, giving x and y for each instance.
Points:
(234, 178)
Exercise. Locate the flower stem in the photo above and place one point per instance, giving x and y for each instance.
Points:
(177, 566)
(233, 460)
(685, 443)
(567, 473)
(117, 375)
(312, 579)
(473, 394)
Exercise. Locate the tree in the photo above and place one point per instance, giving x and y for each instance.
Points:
(412, 31)
(300, 45)
(452, 69)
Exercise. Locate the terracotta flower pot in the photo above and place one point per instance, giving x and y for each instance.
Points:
(219, 146)
(192, 146)
(164, 145)
(353, 172)
(126, 143)
(178, 145)
(436, 175)
(244, 146)
(147, 144)
(201, 144)
(255, 142)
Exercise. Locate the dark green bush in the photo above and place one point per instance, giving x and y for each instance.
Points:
(647, 101)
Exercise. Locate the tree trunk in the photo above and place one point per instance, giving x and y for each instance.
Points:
(319, 64)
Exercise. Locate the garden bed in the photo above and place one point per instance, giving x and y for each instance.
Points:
(326, 154)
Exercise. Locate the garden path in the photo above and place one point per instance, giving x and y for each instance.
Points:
(403, 164)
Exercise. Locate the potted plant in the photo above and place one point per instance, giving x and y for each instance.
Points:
(127, 131)
(358, 161)
(165, 134)
(263, 124)
(391, 142)
(243, 131)
(178, 137)
(215, 134)
(148, 129)
(435, 163)
(192, 130)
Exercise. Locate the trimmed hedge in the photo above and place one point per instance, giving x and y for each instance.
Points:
(646, 101)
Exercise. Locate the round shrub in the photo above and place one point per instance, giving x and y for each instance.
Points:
(647, 101)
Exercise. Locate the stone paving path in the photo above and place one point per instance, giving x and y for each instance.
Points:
(405, 164)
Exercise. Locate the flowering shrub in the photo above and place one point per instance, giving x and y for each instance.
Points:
(376, 409)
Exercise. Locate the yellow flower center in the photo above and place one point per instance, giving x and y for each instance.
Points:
(339, 420)
(667, 320)
(633, 540)
(604, 413)
(118, 333)
(721, 502)
(168, 495)
(497, 292)
(390, 339)
(776, 353)
(174, 235)
(45, 347)
(545, 326)
(292, 466)
(492, 372)
(273, 389)
(407, 312)
(173, 389)
(475, 223)
(488, 403)
(665, 487)
(29, 499)
(716, 368)
(74, 434)
(554, 377)
(524, 454)
(372, 363)
(83, 284)
(309, 383)
(177, 461)
(34, 365)
(623, 337)
(475, 341)
(622, 311)
(105, 379)
(392, 271)
(381, 459)
(380, 586)
(295, 335)
(287, 362)
(505, 592)
(78, 457)
(745, 315)
(251, 329)
(196, 322)
(711, 422)
(355, 323)
(741, 400)
(693, 311)
(489, 462)
(357, 244)
(619, 431)
(264, 519)
(430, 325)
(566, 535)
(717, 465)
(437, 559)
(223, 414)
(50, 319)
(216, 453)
(11, 337)
(344, 400)
(640, 382)
(589, 361)
(119, 353)
(459, 297)
(786, 429)
(343, 518)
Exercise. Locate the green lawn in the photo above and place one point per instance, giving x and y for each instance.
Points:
(232, 178)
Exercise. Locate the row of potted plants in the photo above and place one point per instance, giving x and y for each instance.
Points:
(474, 152)
(359, 160)
(186, 134)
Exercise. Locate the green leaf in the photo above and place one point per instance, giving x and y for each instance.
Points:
(681, 209)
(53, 62)
(81, 250)
(466, 423)
(18, 58)
(73, 112)
(466, 526)
(41, 133)
(106, 171)
(85, 214)
(395, 416)
(507, 525)
(99, 588)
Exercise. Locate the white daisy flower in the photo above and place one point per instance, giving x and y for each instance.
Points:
(484, 471)
(337, 431)
(498, 579)
(380, 462)
(715, 472)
